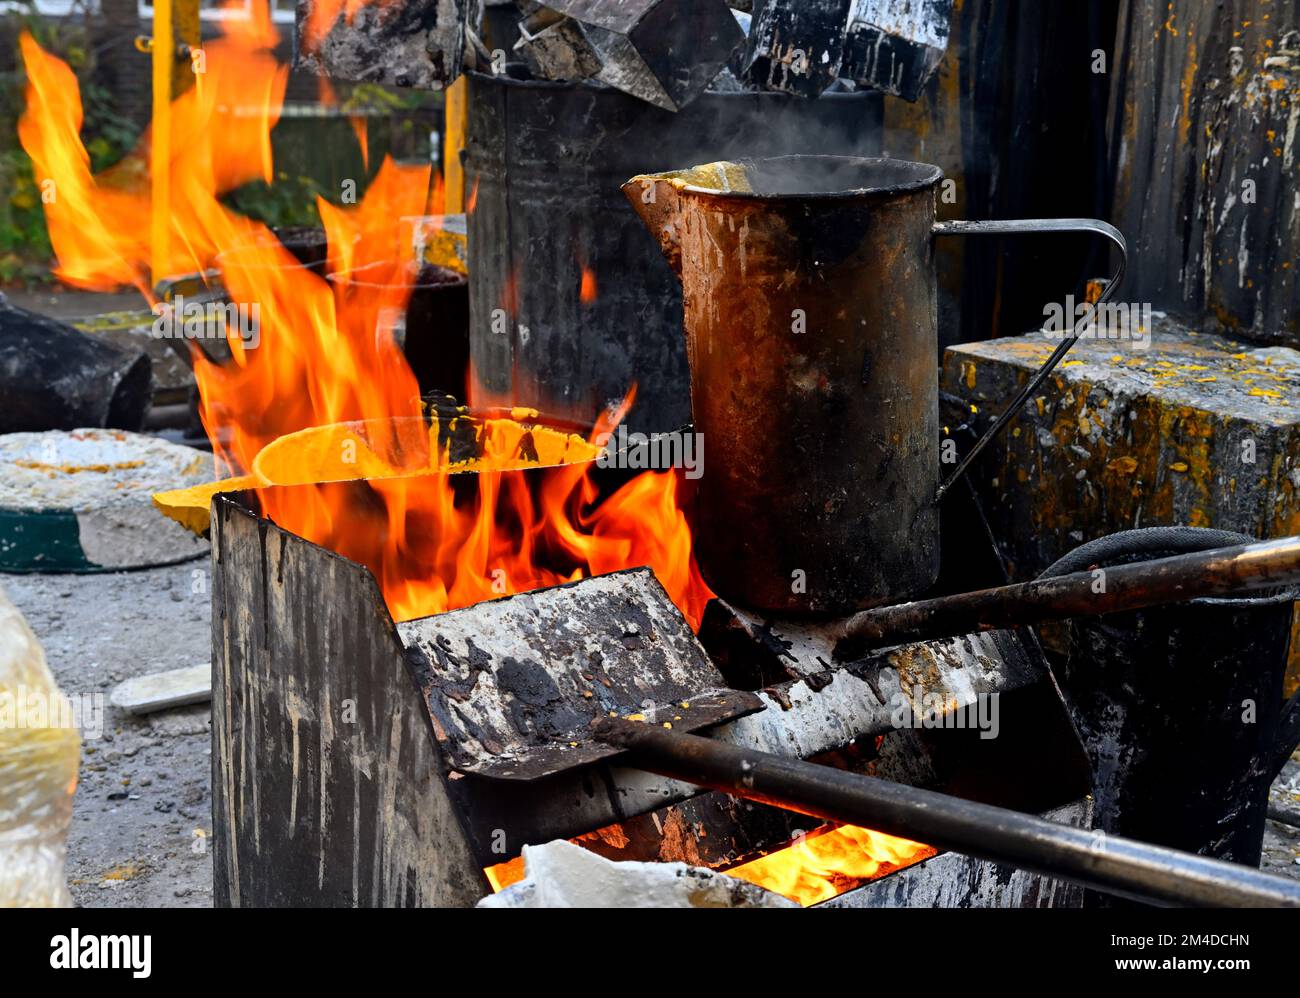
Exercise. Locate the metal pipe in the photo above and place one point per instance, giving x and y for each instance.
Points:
(1152, 874)
(1225, 571)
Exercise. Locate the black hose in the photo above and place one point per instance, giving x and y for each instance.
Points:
(1144, 543)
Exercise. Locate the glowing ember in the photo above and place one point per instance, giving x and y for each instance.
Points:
(826, 864)
(587, 292)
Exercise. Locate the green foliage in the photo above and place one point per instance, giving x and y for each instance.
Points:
(290, 200)
(107, 134)
(24, 244)
(375, 97)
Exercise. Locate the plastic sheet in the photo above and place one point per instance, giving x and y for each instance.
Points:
(39, 756)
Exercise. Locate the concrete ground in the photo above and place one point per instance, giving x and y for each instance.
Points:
(142, 816)
(63, 302)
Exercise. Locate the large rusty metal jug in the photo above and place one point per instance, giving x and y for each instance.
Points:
(811, 332)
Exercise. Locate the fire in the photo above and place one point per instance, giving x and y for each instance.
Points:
(100, 225)
(825, 864)
(325, 362)
(325, 356)
(587, 290)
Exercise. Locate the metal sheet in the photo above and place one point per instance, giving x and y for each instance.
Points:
(514, 684)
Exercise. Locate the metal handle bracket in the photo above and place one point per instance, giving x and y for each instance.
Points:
(1020, 226)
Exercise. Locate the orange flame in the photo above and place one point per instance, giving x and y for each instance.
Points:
(826, 864)
(822, 865)
(587, 290)
(100, 225)
(326, 354)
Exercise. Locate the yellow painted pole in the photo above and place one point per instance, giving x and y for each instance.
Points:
(456, 115)
(174, 21)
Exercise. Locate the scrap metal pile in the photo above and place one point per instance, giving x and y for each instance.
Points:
(665, 52)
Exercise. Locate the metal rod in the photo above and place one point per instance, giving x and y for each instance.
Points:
(1000, 227)
(1132, 869)
(1218, 572)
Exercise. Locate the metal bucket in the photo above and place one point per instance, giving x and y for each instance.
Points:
(1179, 706)
(543, 164)
(811, 328)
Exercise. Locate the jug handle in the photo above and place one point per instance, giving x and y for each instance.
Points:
(1017, 226)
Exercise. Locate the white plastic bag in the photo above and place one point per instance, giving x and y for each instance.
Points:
(39, 756)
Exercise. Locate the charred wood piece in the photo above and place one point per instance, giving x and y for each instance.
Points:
(796, 47)
(891, 45)
(665, 52)
(895, 47)
(416, 43)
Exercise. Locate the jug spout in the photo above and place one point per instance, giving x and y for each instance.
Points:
(658, 199)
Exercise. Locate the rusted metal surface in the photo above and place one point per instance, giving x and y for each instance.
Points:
(1120, 866)
(1231, 571)
(809, 302)
(414, 43)
(810, 324)
(1204, 116)
(824, 713)
(513, 685)
(546, 160)
(327, 785)
(284, 667)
